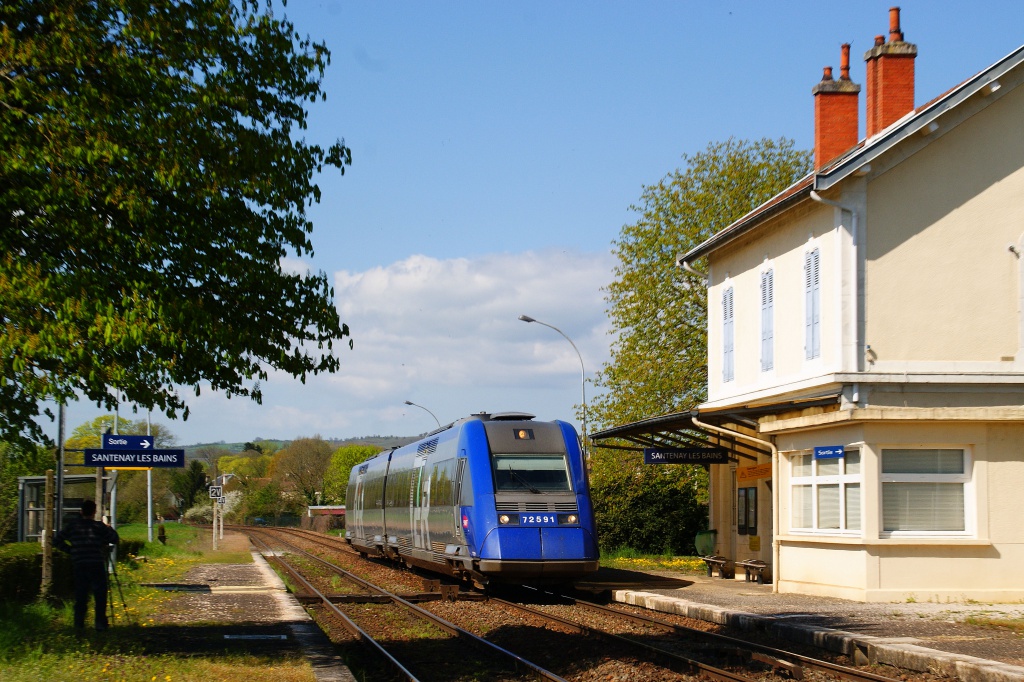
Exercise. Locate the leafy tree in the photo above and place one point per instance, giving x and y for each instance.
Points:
(248, 466)
(90, 434)
(153, 176)
(303, 465)
(189, 484)
(342, 461)
(659, 322)
(267, 500)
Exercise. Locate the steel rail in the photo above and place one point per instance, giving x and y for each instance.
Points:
(794, 658)
(445, 625)
(364, 637)
(675, 661)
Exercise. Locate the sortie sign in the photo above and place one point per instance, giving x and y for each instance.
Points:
(686, 456)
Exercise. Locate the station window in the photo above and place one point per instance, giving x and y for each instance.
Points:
(924, 490)
(746, 511)
(826, 494)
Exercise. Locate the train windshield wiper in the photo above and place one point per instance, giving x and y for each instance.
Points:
(522, 481)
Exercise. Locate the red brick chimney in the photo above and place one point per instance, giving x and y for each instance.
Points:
(835, 113)
(890, 86)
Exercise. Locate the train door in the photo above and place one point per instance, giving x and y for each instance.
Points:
(420, 503)
(460, 472)
(355, 507)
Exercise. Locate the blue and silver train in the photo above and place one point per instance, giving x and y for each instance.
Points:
(491, 496)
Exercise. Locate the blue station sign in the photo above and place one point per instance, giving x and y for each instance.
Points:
(124, 457)
(686, 456)
(828, 451)
(113, 441)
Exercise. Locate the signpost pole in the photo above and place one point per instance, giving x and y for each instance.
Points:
(149, 484)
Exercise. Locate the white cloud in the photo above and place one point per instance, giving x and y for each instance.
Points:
(442, 333)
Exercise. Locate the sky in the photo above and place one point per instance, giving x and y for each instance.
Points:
(497, 151)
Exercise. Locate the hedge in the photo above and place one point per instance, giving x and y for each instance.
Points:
(21, 570)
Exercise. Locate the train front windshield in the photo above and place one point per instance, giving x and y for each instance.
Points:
(531, 473)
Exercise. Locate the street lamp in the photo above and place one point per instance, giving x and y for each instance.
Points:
(583, 376)
(409, 402)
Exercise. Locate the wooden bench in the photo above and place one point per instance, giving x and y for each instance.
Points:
(724, 566)
(754, 570)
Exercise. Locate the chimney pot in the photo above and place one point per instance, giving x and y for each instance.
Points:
(844, 64)
(894, 25)
(835, 114)
(890, 77)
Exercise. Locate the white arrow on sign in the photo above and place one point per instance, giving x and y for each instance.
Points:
(145, 444)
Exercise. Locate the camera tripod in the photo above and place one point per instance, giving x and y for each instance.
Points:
(112, 563)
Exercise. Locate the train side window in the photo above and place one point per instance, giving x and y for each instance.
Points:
(464, 483)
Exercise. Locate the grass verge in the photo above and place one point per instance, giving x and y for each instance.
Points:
(37, 641)
(627, 558)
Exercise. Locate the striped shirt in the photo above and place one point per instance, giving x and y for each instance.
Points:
(87, 540)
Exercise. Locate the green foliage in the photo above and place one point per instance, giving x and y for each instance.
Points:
(21, 571)
(648, 508)
(658, 312)
(659, 322)
(18, 459)
(189, 484)
(342, 461)
(248, 466)
(154, 173)
(267, 501)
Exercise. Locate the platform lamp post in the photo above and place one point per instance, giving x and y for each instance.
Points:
(583, 377)
(409, 402)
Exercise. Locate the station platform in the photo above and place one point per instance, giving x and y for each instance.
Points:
(936, 637)
(245, 605)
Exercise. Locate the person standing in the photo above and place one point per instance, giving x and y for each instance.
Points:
(88, 542)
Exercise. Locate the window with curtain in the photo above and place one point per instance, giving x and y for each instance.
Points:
(767, 320)
(826, 493)
(812, 303)
(727, 335)
(924, 490)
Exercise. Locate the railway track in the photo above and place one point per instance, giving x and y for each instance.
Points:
(574, 638)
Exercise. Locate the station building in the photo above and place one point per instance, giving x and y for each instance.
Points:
(866, 348)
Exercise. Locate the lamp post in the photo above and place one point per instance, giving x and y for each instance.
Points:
(583, 377)
(409, 402)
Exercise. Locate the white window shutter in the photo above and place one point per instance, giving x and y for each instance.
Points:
(812, 304)
(727, 335)
(767, 320)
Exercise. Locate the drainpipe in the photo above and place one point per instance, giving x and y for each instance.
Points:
(692, 270)
(854, 274)
(775, 490)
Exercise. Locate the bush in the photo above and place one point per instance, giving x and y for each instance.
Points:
(21, 570)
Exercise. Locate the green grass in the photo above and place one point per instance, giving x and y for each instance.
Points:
(627, 558)
(1014, 624)
(37, 640)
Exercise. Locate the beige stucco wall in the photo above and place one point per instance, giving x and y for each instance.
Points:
(780, 247)
(941, 284)
(982, 564)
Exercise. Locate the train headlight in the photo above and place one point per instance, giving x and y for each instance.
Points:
(568, 519)
(508, 519)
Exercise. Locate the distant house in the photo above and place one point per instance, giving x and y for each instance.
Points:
(866, 348)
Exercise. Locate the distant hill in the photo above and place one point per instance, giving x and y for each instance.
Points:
(383, 442)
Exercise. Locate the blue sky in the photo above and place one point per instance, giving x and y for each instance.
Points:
(497, 150)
